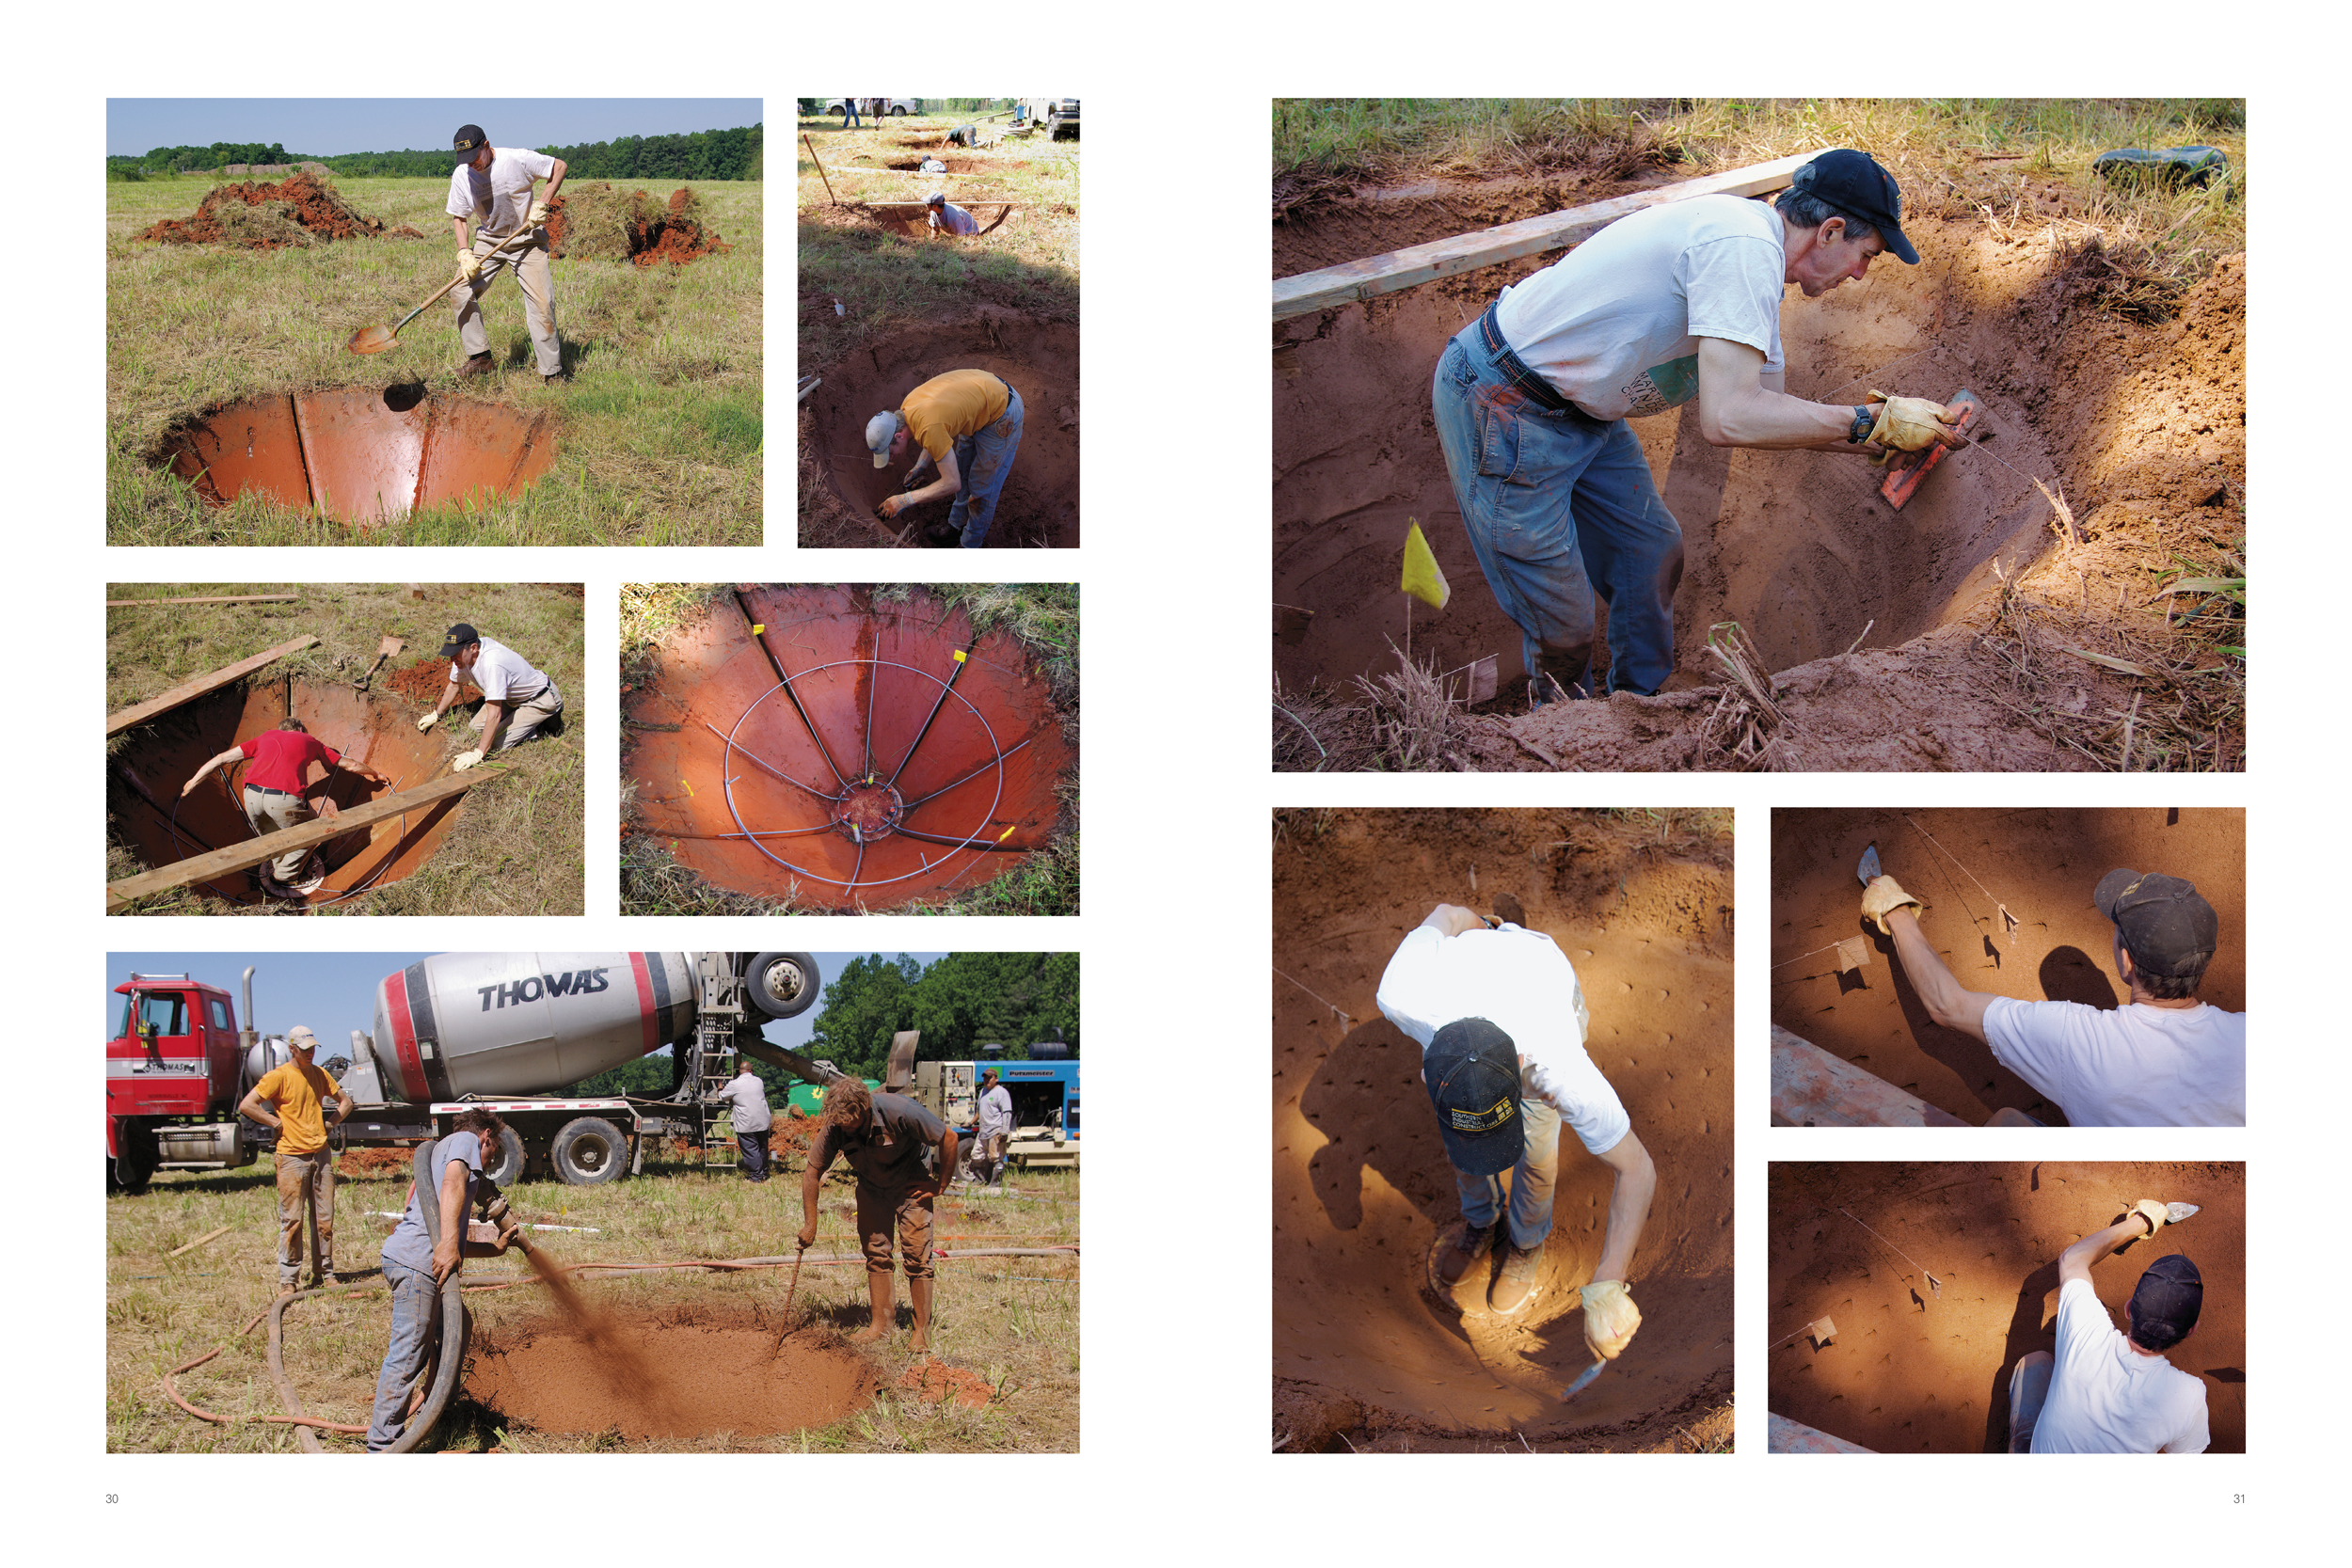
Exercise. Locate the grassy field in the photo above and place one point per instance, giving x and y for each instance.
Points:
(661, 426)
(1044, 616)
(1013, 1321)
(516, 848)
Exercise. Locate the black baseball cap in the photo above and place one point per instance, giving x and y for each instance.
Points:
(1471, 1070)
(459, 635)
(2164, 1308)
(1853, 182)
(2167, 925)
(468, 143)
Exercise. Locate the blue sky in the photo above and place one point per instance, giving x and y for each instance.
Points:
(327, 126)
(335, 992)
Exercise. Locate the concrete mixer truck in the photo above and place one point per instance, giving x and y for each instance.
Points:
(500, 1031)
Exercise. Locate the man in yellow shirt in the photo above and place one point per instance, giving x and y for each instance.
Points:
(292, 1098)
(969, 424)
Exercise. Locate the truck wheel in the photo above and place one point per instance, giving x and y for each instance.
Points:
(899, 109)
(785, 985)
(132, 1167)
(504, 1166)
(588, 1153)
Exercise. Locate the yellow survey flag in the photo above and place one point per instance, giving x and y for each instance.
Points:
(1422, 578)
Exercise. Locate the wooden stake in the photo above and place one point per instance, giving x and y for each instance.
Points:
(820, 170)
(231, 598)
(199, 1241)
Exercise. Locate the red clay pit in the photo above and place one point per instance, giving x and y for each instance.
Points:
(849, 754)
(147, 812)
(361, 454)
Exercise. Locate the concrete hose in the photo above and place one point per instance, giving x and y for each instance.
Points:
(455, 1329)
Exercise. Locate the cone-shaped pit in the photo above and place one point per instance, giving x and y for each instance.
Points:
(1037, 359)
(850, 754)
(148, 813)
(362, 454)
(694, 1374)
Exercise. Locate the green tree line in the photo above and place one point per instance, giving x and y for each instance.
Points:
(729, 155)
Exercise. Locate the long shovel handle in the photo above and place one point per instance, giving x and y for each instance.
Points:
(524, 232)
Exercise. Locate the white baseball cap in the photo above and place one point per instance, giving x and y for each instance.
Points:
(935, 198)
(301, 1036)
(880, 432)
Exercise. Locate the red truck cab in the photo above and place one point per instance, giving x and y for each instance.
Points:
(174, 1053)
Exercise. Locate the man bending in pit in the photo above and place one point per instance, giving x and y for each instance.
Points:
(2105, 1391)
(289, 771)
(1501, 1022)
(2163, 1059)
(968, 422)
(518, 703)
(946, 217)
(491, 187)
(1674, 302)
(884, 1136)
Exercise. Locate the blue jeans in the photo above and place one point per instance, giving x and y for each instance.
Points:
(983, 463)
(1531, 1181)
(1557, 505)
(849, 113)
(414, 1319)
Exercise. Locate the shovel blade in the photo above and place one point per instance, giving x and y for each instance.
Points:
(371, 340)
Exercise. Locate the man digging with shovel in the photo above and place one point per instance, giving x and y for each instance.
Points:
(1501, 1021)
(493, 185)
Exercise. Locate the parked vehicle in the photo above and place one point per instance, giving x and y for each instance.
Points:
(897, 106)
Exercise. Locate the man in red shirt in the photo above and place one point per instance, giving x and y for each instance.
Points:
(276, 793)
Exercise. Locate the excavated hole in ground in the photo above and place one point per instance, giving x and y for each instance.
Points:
(144, 778)
(1039, 505)
(360, 454)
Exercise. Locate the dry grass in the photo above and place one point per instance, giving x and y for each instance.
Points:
(1013, 1321)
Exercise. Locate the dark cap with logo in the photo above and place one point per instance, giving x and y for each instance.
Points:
(468, 143)
(1852, 183)
(2166, 923)
(1471, 1070)
(459, 635)
(2164, 1308)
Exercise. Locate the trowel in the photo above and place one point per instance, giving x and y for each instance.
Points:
(1584, 1381)
(1906, 469)
(384, 650)
(1868, 869)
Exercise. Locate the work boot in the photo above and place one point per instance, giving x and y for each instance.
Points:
(878, 1290)
(560, 379)
(1457, 1250)
(921, 1290)
(1516, 1285)
(478, 364)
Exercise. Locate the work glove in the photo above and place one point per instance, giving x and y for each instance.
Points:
(1882, 898)
(538, 213)
(468, 264)
(1610, 1317)
(2153, 1213)
(887, 508)
(463, 760)
(427, 722)
(1906, 424)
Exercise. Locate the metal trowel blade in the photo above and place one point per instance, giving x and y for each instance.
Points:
(1583, 1380)
(1868, 869)
(2175, 1212)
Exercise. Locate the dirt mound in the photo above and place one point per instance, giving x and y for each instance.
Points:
(294, 212)
(1362, 1186)
(596, 222)
(934, 1380)
(424, 681)
(1916, 1368)
(1038, 357)
(703, 1371)
(2039, 865)
(375, 1163)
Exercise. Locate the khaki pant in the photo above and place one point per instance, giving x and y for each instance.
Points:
(268, 813)
(535, 276)
(882, 1206)
(305, 1183)
(523, 720)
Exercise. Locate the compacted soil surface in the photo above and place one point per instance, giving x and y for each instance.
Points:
(2007, 896)
(1364, 1355)
(1960, 1280)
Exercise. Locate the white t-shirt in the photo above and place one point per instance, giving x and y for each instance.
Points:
(499, 671)
(2106, 1398)
(1519, 981)
(1615, 324)
(498, 197)
(2134, 1066)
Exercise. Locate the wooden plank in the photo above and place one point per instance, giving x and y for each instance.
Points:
(189, 690)
(253, 851)
(1403, 269)
(230, 598)
(199, 1241)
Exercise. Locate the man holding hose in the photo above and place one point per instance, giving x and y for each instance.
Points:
(492, 186)
(1674, 302)
(1501, 1022)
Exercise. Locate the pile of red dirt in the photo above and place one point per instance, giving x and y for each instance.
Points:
(1921, 1367)
(1362, 1185)
(2040, 865)
(314, 204)
(934, 1380)
(375, 1162)
(596, 221)
(427, 679)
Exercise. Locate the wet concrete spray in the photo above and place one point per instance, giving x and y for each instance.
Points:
(626, 1369)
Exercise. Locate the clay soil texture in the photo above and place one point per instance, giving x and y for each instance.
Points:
(1921, 1367)
(596, 221)
(257, 216)
(1940, 637)
(2040, 865)
(1365, 1358)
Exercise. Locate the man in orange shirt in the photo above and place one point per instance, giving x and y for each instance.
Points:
(276, 795)
(292, 1098)
(969, 424)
